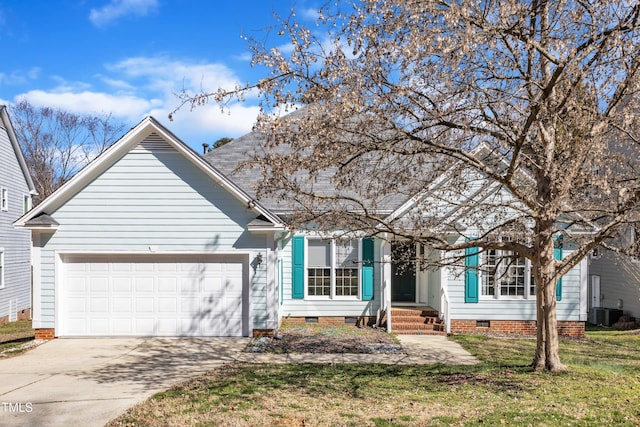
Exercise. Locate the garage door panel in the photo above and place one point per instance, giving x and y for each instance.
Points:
(144, 305)
(167, 284)
(121, 305)
(99, 284)
(168, 327)
(143, 267)
(121, 326)
(121, 267)
(189, 285)
(77, 326)
(99, 305)
(168, 305)
(121, 284)
(144, 284)
(144, 326)
(76, 305)
(148, 296)
(99, 267)
(100, 325)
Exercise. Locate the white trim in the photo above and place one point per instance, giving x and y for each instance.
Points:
(36, 263)
(501, 256)
(385, 255)
(66, 252)
(271, 297)
(332, 269)
(4, 116)
(28, 201)
(413, 201)
(584, 290)
(444, 289)
(125, 144)
(58, 308)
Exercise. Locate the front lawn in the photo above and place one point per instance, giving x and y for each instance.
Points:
(602, 387)
(14, 335)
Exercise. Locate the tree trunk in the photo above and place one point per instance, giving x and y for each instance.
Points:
(547, 356)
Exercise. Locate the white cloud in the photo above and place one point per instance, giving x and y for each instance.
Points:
(207, 123)
(123, 106)
(116, 9)
(19, 77)
(165, 74)
(136, 87)
(310, 14)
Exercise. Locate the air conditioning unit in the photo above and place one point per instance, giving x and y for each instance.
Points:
(604, 316)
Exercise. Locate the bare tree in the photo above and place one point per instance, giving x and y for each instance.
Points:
(58, 143)
(538, 98)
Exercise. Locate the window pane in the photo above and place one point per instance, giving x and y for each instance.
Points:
(319, 253)
(347, 281)
(346, 253)
(319, 282)
(512, 282)
(532, 286)
(488, 275)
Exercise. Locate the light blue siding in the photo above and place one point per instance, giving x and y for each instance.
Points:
(16, 243)
(326, 307)
(156, 200)
(512, 308)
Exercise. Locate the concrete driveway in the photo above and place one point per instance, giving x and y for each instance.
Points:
(88, 382)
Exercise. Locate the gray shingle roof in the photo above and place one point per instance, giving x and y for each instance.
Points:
(228, 157)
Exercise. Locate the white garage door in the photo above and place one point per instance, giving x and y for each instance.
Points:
(140, 295)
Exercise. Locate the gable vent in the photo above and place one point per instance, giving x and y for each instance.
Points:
(153, 144)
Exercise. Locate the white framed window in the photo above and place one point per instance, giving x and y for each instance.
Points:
(4, 199)
(505, 274)
(332, 268)
(26, 203)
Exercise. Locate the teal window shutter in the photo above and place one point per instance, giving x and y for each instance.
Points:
(471, 275)
(367, 269)
(557, 254)
(297, 278)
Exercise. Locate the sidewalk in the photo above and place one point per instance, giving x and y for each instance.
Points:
(420, 349)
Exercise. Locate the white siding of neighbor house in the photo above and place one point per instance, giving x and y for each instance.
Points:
(619, 282)
(15, 242)
(326, 307)
(153, 201)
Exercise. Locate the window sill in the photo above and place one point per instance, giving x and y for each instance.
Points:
(341, 298)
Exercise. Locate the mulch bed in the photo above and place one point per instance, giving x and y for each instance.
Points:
(322, 339)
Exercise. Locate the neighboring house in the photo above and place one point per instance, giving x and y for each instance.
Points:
(151, 239)
(614, 287)
(16, 190)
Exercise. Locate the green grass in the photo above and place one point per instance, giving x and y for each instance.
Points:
(601, 387)
(14, 334)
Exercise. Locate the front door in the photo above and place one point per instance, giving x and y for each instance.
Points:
(403, 272)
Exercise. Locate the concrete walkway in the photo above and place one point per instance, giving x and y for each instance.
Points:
(87, 382)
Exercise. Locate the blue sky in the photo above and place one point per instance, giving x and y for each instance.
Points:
(129, 57)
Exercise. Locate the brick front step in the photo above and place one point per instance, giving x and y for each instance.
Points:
(413, 312)
(399, 324)
(416, 321)
(419, 332)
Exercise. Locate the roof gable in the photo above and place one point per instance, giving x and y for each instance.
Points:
(148, 136)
